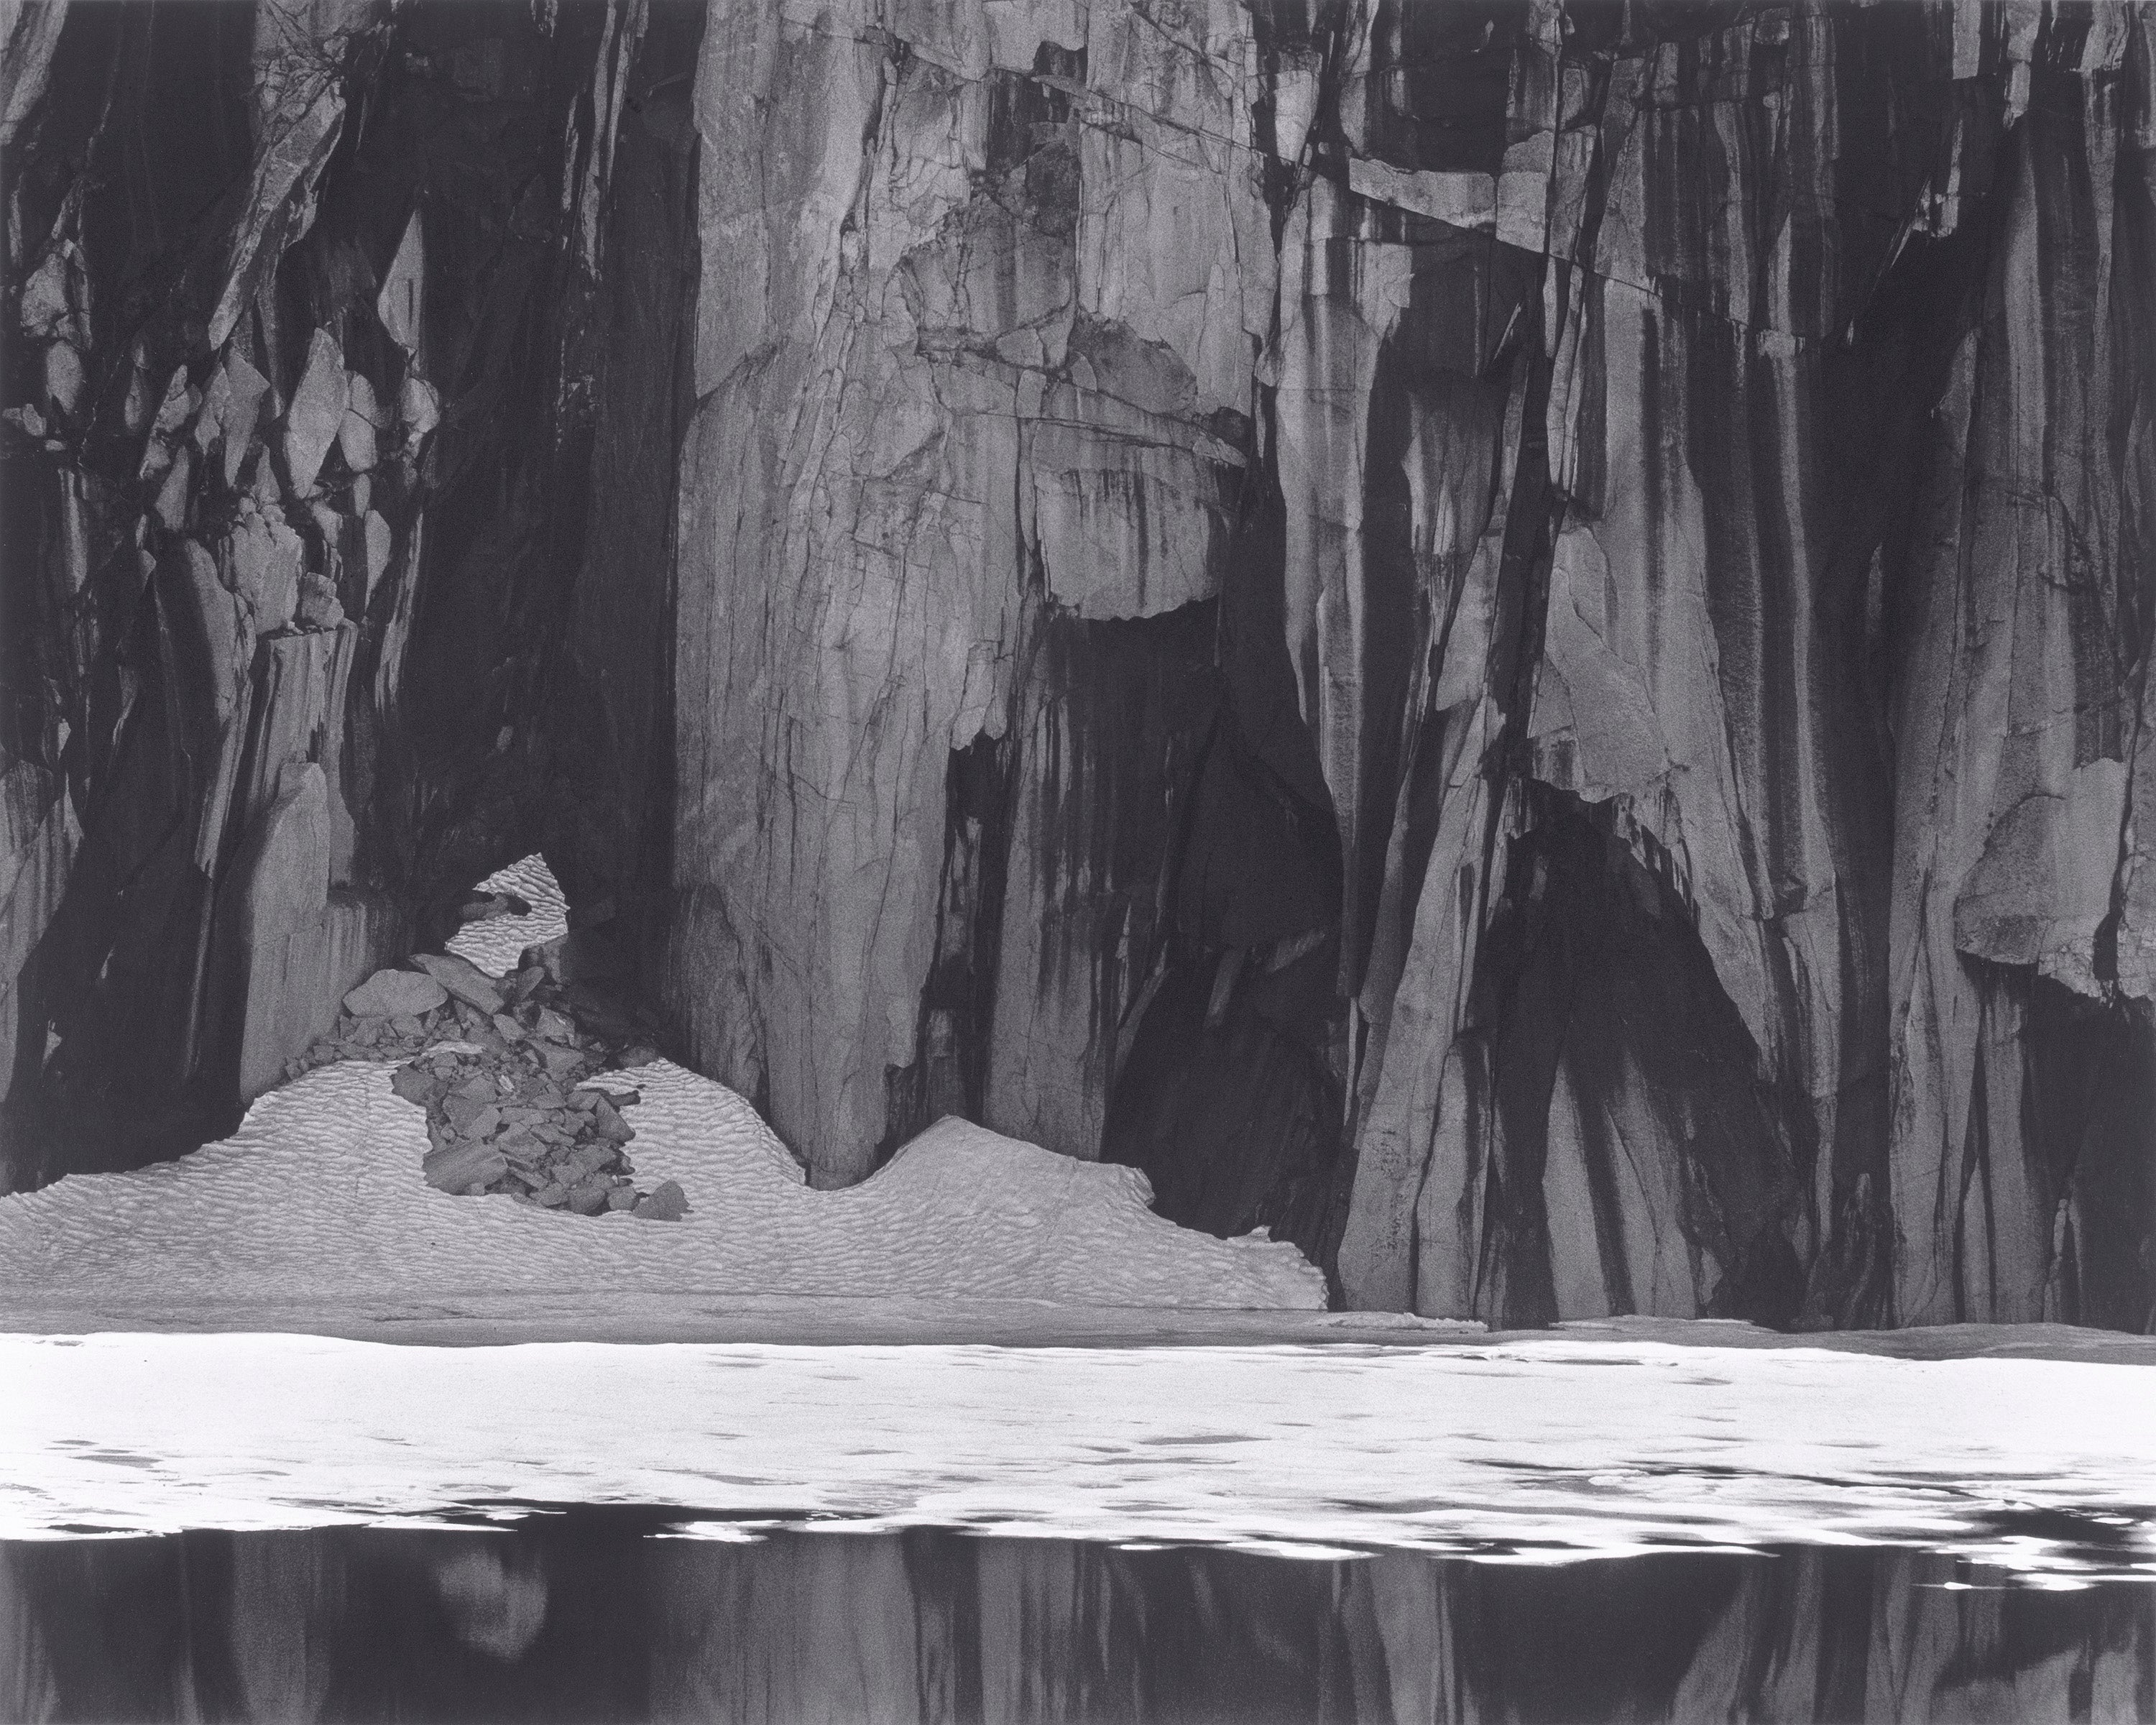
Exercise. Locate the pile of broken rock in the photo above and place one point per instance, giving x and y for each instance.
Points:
(509, 1071)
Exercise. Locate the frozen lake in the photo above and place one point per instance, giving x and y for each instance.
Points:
(291, 1527)
(1542, 1449)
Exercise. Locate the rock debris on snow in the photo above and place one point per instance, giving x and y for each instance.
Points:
(462, 978)
(395, 993)
(505, 1069)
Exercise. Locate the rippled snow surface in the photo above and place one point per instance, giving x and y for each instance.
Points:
(1545, 1450)
(1541, 1451)
(496, 944)
(319, 1197)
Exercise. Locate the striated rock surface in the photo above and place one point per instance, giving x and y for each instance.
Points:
(1509, 639)
(300, 387)
(1770, 848)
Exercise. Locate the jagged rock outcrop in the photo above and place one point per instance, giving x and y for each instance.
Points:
(1511, 637)
(1666, 487)
(301, 302)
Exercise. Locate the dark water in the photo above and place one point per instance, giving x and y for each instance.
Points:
(598, 1617)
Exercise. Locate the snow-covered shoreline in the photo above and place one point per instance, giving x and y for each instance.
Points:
(984, 1335)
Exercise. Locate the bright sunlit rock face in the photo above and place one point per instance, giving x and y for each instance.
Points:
(1543, 1451)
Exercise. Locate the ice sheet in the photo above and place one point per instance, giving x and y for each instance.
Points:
(1537, 1451)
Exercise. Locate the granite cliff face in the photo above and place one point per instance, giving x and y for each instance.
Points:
(305, 441)
(1511, 639)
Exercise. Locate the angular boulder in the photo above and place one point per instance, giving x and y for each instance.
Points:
(458, 1167)
(317, 410)
(668, 1203)
(462, 978)
(395, 993)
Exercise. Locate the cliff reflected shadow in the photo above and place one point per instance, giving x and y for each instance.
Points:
(588, 1616)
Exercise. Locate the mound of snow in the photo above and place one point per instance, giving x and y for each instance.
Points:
(319, 1196)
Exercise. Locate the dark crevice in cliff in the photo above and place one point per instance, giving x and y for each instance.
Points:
(1226, 1101)
(607, 717)
(1229, 1094)
(293, 509)
(1624, 1132)
(949, 1072)
(2088, 1124)
(508, 330)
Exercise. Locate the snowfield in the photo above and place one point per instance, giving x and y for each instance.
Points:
(318, 1198)
(496, 944)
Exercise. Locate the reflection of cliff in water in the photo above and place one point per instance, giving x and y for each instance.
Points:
(592, 1620)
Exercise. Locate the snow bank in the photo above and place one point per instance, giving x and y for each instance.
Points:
(1537, 1452)
(319, 1195)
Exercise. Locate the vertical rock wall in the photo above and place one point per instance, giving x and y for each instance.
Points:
(1510, 637)
(1844, 647)
(957, 473)
(297, 449)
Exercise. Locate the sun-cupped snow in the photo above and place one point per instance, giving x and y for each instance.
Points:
(319, 1195)
(494, 944)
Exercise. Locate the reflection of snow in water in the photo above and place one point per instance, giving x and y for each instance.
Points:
(1534, 1451)
(495, 1604)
